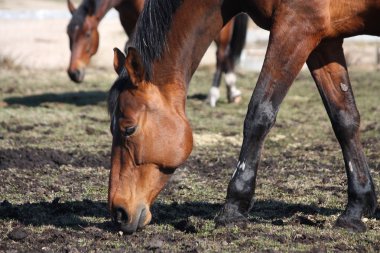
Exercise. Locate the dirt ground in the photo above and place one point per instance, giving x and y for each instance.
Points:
(54, 162)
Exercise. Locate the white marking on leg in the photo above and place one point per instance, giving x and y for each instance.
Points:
(242, 166)
(344, 86)
(350, 167)
(233, 175)
(230, 79)
(232, 91)
(213, 96)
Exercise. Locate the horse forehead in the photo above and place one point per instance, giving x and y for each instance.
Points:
(90, 22)
(134, 101)
(131, 99)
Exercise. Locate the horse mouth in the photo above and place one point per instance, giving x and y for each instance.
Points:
(130, 225)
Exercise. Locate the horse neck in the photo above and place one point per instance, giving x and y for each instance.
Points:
(194, 26)
(102, 7)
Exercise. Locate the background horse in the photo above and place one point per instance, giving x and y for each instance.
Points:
(84, 40)
(152, 135)
(83, 29)
(230, 43)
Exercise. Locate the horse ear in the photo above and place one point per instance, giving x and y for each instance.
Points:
(134, 66)
(91, 7)
(118, 60)
(71, 6)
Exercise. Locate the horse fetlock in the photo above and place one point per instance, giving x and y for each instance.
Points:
(364, 203)
(369, 203)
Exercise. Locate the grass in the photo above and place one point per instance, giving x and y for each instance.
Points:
(54, 161)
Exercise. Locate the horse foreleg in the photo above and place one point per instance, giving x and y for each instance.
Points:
(222, 43)
(328, 67)
(288, 49)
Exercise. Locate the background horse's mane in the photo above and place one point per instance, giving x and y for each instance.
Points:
(80, 14)
(151, 29)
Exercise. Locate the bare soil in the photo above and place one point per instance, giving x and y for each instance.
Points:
(54, 165)
(55, 156)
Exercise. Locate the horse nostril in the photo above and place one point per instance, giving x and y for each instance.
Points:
(120, 215)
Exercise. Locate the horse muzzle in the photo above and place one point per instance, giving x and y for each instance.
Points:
(76, 75)
(130, 223)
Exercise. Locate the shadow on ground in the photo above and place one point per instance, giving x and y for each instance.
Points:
(29, 157)
(71, 213)
(81, 98)
(198, 96)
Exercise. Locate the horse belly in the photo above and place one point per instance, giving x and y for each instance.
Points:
(354, 17)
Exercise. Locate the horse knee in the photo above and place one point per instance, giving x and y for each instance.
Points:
(346, 124)
(261, 120)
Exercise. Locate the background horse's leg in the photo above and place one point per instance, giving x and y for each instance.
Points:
(328, 67)
(239, 33)
(289, 46)
(223, 47)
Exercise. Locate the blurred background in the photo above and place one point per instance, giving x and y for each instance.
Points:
(33, 35)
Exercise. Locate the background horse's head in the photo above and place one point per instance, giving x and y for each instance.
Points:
(84, 37)
(151, 137)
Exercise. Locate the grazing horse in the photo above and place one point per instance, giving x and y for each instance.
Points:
(84, 40)
(152, 135)
(83, 29)
(230, 43)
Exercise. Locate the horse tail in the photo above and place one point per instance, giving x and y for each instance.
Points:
(239, 35)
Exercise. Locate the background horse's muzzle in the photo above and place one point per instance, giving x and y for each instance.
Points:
(128, 223)
(76, 75)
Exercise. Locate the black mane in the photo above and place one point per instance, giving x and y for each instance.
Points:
(151, 30)
(150, 40)
(121, 83)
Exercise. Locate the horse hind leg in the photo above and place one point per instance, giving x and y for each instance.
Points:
(233, 93)
(328, 67)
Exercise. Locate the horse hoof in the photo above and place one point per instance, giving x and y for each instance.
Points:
(351, 224)
(235, 100)
(229, 214)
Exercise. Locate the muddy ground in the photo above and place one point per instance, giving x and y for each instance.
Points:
(54, 165)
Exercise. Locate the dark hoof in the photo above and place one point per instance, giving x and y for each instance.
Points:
(350, 224)
(229, 214)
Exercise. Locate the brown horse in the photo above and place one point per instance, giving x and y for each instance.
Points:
(230, 43)
(83, 29)
(84, 40)
(152, 136)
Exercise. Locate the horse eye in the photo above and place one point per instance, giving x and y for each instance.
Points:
(129, 131)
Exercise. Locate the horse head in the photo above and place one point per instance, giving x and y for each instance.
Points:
(83, 36)
(151, 137)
